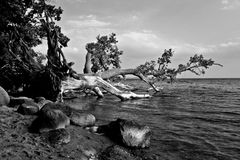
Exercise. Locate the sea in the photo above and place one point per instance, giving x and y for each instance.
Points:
(191, 119)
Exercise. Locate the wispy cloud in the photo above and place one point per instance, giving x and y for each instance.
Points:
(229, 44)
(72, 50)
(206, 49)
(87, 21)
(151, 43)
(188, 48)
(143, 39)
(230, 4)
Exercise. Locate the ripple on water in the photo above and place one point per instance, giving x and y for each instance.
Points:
(194, 119)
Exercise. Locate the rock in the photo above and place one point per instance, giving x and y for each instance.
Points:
(116, 152)
(17, 101)
(4, 97)
(41, 101)
(67, 110)
(93, 129)
(83, 119)
(127, 132)
(28, 108)
(57, 136)
(5, 109)
(49, 120)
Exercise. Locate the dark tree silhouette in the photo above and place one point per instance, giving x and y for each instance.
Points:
(23, 25)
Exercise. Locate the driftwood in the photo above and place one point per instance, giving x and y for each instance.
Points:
(95, 82)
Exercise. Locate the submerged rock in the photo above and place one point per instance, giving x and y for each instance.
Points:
(4, 97)
(83, 119)
(116, 152)
(57, 136)
(50, 120)
(127, 132)
(28, 108)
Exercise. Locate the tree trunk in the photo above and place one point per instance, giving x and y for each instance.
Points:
(114, 72)
(87, 66)
(91, 82)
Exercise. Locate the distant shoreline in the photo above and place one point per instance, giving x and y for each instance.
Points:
(208, 78)
(196, 78)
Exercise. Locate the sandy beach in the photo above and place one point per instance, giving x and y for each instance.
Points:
(17, 143)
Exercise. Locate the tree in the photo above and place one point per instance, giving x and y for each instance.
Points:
(18, 34)
(23, 25)
(150, 72)
(103, 54)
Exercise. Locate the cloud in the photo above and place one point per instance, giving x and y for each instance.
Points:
(188, 48)
(229, 44)
(150, 43)
(143, 39)
(71, 49)
(87, 21)
(230, 4)
(84, 29)
(206, 49)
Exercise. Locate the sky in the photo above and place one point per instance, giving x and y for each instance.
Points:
(145, 28)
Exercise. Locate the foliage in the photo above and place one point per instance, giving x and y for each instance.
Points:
(44, 83)
(104, 53)
(105, 49)
(160, 70)
(23, 25)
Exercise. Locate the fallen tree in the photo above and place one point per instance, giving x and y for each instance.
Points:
(104, 54)
(25, 23)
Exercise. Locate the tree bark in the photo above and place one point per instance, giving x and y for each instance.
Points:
(116, 71)
(87, 66)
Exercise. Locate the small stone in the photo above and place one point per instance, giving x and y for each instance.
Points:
(57, 136)
(83, 119)
(4, 97)
(93, 129)
(28, 108)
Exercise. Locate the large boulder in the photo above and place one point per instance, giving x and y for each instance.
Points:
(28, 108)
(49, 120)
(82, 119)
(127, 132)
(4, 97)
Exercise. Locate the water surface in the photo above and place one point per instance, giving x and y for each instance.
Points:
(197, 119)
